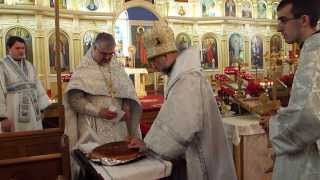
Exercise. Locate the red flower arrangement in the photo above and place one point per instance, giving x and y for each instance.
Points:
(221, 77)
(227, 90)
(254, 89)
(231, 70)
(246, 75)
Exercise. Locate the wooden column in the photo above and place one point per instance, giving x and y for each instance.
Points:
(58, 65)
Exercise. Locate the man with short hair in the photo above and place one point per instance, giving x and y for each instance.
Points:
(97, 93)
(189, 123)
(22, 97)
(295, 129)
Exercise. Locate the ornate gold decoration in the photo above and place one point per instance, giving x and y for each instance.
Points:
(181, 11)
(108, 81)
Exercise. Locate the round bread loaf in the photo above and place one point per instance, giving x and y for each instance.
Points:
(115, 150)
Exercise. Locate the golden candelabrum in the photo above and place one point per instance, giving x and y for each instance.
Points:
(293, 57)
(275, 62)
(241, 67)
(275, 70)
(267, 104)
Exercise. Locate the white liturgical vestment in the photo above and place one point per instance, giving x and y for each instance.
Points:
(22, 96)
(105, 86)
(189, 123)
(295, 129)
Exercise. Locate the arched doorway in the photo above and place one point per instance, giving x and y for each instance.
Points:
(129, 27)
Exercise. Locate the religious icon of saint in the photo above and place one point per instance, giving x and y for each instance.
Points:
(274, 10)
(235, 48)
(142, 52)
(183, 41)
(209, 53)
(88, 39)
(257, 52)
(275, 44)
(262, 9)
(230, 8)
(246, 10)
(208, 7)
(64, 53)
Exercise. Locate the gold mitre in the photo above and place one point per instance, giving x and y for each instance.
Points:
(159, 40)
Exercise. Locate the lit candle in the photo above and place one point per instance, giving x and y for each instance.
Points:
(262, 84)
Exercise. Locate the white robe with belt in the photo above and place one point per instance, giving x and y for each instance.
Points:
(189, 123)
(295, 129)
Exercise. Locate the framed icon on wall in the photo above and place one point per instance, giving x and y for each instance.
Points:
(209, 52)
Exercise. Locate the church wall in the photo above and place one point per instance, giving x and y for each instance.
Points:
(38, 19)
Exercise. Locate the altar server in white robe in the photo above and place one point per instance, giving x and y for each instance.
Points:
(189, 123)
(98, 92)
(295, 129)
(22, 96)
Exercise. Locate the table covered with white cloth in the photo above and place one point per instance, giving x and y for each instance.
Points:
(250, 147)
(146, 168)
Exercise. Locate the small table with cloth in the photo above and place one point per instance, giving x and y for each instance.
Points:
(250, 147)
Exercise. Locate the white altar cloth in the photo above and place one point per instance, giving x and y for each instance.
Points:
(147, 168)
(139, 79)
(241, 125)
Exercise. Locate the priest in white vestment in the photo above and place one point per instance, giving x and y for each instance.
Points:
(100, 100)
(295, 129)
(22, 96)
(189, 122)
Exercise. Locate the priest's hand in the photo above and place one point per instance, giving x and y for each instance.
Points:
(7, 125)
(136, 143)
(105, 113)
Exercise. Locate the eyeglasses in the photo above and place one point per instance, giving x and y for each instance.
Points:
(284, 20)
(105, 53)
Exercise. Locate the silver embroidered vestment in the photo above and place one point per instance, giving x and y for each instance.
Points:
(104, 86)
(295, 129)
(22, 96)
(189, 123)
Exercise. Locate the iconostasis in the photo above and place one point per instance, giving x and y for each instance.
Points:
(224, 31)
